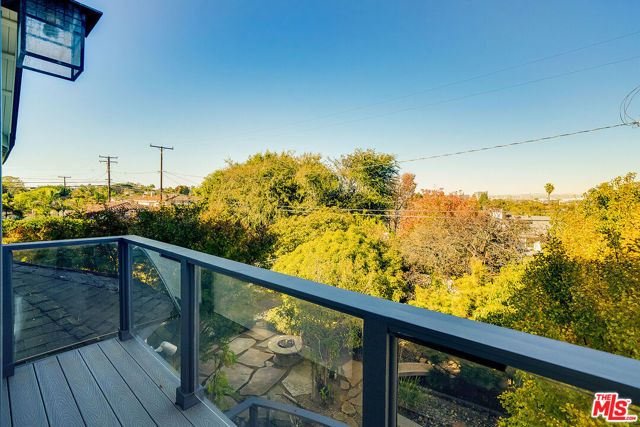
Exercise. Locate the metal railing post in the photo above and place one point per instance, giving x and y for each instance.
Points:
(124, 275)
(379, 374)
(187, 393)
(253, 416)
(7, 314)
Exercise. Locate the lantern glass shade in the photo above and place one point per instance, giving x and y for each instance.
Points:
(52, 37)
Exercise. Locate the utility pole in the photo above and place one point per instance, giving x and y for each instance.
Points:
(64, 183)
(108, 160)
(162, 148)
(64, 192)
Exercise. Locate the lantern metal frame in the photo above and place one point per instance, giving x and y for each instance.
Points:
(88, 16)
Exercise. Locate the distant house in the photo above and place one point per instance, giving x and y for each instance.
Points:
(127, 207)
(180, 200)
(497, 214)
(539, 226)
(172, 199)
(572, 199)
(150, 201)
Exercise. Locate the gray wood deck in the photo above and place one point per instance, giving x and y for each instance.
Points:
(110, 383)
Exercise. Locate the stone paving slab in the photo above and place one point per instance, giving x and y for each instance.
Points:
(299, 380)
(254, 357)
(260, 334)
(263, 379)
(237, 375)
(352, 371)
(240, 344)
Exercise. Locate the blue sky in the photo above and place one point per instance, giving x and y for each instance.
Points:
(225, 79)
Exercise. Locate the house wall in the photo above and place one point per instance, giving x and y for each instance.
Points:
(9, 52)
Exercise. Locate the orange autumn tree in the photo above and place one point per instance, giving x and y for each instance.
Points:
(440, 234)
(436, 203)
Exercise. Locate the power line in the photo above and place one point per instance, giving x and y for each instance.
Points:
(398, 214)
(625, 104)
(313, 208)
(186, 174)
(512, 144)
(442, 86)
(183, 178)
(173, 180)
(451, 154)
(435, 156)
(460, 98)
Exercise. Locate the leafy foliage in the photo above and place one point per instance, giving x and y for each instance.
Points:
(533, 400)
(548, 188)
(355, 259)
(439, 251)
(368, 179)
(448, 231)
(255, 192)
(327, 334)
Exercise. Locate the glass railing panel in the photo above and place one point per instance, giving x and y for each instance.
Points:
(439, 389)
(155, 303)
(63, 296)
(259, 343)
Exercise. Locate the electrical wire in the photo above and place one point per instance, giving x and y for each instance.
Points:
(192, 182)
(397, 214)
(438, 87)
(513, 144)
(625, 115)
(459, 98)
(451, 154)
(455, 153)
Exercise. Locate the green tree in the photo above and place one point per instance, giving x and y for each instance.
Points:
(40, 201)
(479, 295)
(220, 236)
(12, 185)
(86, 195)
(292, 231)
(356, 259)
(268, 186)
(369, 180)
(182, 189)
(548, 188)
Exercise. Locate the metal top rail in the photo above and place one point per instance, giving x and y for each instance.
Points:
(495, 346)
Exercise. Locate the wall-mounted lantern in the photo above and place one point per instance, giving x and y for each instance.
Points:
(52, 34)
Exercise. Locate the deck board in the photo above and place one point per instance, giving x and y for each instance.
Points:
(91, 401)
(127, 407)
(59, 403)
(27, 408)
(157, 404)
(110, 383)
(199, 415)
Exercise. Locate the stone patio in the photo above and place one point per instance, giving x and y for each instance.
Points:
(256, 374)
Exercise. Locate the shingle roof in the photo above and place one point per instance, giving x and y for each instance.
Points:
(57, 307)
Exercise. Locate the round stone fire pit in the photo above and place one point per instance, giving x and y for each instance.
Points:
(286, 349)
